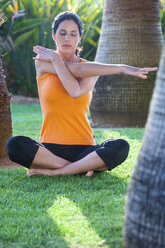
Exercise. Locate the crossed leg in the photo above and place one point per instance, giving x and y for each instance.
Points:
(22, 149)
(44, 159)
(46, 163)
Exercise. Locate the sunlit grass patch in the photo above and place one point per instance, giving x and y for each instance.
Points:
(64, 211)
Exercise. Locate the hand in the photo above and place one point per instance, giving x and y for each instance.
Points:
(139, 72)
(45, 54)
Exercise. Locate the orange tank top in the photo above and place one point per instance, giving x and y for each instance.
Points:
(65, 118)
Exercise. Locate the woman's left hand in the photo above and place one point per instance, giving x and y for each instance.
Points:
(45, 54)
(139, 72)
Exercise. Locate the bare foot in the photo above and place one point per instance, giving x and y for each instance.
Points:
(41, 172)
(89, 174)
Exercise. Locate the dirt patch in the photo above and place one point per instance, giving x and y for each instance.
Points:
(24, 100)
(6, 163)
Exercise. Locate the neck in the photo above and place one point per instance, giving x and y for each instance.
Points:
(67, 57)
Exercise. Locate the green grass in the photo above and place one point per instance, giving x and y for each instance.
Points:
(64, 211)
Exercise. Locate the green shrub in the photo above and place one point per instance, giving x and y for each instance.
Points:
(34, 27)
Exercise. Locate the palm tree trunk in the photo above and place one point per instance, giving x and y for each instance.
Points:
(145, 210)
(131, 34)
(5, 116)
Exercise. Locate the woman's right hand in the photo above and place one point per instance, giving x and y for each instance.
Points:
(45, 54)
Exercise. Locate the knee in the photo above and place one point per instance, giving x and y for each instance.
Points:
(119, 148)
(13, 148)
(117, 144)
(21, 149)
(123, 149)
(124, 145)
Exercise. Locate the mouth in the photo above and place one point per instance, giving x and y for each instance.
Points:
(67, 46)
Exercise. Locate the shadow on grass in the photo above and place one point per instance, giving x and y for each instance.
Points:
(36, 211)
(24, 204)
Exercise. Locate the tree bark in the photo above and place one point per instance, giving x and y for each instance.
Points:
(145, 209)
(131, 34)
(5, 115)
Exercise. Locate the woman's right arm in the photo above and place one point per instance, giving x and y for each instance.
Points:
(43, 67)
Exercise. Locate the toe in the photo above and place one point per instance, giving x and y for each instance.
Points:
(29, 173)
(89, 174)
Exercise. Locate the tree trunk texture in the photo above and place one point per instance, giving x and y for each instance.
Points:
(5, 113)
(145, 209)
(131, 34)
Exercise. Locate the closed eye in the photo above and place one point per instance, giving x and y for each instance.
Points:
(72, 34)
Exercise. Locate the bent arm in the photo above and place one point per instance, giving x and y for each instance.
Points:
(69, 82)
(43, 67)
(81, 70)
(76, 88)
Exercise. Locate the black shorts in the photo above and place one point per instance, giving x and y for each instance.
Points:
(22, 150)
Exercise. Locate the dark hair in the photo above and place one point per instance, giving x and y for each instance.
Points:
(67, 15)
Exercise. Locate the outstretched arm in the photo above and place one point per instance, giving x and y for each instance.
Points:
(90, 69)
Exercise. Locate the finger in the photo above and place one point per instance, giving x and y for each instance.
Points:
(41, 59)
(38, 51)
(149, 69)
(141, 76)
(144, 72)
(40, 47)
(28, 173)
(35, 58)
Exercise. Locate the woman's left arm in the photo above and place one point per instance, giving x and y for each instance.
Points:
(90, 69)
(89, 72)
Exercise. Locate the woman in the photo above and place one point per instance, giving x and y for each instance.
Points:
(65, 85)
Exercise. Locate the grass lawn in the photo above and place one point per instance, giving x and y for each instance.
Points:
(64, 211)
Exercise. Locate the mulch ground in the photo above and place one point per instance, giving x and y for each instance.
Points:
(6, 163)
(24, 100)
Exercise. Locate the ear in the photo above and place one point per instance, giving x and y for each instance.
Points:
(53, 35)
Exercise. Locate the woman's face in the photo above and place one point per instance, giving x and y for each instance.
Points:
(67, 36)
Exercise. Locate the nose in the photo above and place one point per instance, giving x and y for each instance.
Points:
(67, 37)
